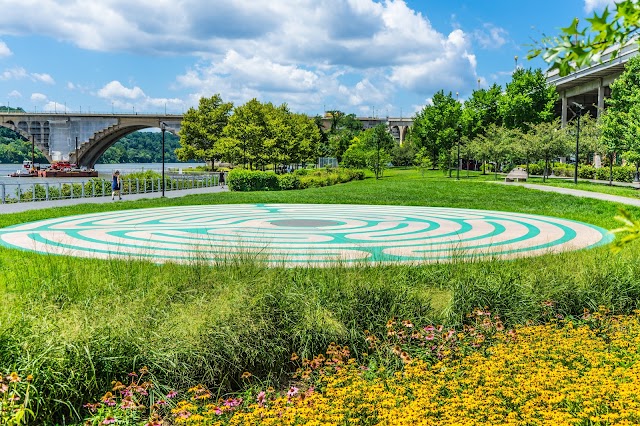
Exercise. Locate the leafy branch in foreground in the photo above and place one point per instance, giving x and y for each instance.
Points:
(631, 227)
(575, 48)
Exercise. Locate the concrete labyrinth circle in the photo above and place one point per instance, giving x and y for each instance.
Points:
(304, 234)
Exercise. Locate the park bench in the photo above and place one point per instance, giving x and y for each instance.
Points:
(517, 175)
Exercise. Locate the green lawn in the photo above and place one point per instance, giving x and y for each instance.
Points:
(77, 324)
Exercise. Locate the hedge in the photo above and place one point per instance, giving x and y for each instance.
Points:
(620, 173)
(249, 180)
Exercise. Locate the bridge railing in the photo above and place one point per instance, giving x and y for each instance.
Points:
(96, 187)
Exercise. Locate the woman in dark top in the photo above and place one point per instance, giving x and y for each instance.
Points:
(115, 185)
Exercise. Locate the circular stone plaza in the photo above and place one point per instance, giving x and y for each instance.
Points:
(304, 234)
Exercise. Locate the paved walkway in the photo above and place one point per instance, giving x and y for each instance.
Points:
(579, 193)
(37, 205)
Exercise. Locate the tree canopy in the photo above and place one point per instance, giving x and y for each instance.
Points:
(527, 100)
(202, 128)
(436, 126)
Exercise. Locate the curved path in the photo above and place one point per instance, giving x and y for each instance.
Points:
(579, 193)
(303, 234)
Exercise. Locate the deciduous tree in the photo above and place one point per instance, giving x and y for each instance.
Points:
(202, 128)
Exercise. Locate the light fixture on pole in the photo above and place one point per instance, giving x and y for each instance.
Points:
(575, 174)
(458, 168)
(458, 134)
(163, 127)
(244, 151)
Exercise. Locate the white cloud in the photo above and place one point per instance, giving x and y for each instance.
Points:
(38, 97)
(14, 74)
(20, 73)
(455, 70)
(44, 78)
(4, 50)
(591, 5)
(254, 48)
(52, 106)
(15, 94)
(115, 89)
(491, 37)
(125, 98)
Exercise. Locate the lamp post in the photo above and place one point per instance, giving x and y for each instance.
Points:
(244, 151)
(458, 134)
(77, 165)
(33, 154)
(163, 127)
(458, 168)
(575, 174)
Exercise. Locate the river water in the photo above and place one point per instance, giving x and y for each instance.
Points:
(104, 171)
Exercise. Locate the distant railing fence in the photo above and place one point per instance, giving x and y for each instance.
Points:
(96, 187)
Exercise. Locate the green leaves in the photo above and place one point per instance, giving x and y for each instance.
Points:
(575, 47)
(202, 128)
(630, 226)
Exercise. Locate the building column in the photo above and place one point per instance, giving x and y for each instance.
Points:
(600, 98)
(564, 109)
(401, 130)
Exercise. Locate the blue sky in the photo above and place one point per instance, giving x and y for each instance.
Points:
(359, 56)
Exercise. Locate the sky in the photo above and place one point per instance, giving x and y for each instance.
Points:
(371, 58)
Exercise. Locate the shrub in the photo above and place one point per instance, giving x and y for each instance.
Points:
(288, 181)
(564, 170)
(587, 172)
(247, 180)
(624, 173)
(620, 173)
(535, 169)
(602, 173)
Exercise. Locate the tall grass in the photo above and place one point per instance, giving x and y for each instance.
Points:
(77, 324)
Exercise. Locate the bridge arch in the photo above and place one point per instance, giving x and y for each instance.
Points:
(55, 135)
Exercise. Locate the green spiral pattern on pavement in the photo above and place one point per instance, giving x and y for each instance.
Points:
(304, 234)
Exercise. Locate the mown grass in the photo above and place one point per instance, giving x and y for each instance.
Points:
(77, 324)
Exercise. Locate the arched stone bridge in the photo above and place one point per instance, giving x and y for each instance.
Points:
(81, 138)
(398, 127)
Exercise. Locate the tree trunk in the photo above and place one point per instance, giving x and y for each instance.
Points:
(611, 171)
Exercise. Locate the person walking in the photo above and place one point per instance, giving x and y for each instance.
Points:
(221, 181)
(115, 185)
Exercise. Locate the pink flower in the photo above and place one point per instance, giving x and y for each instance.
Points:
(261, 398)
(293, 391)
(232, 402)
(172, 394)
(109, 420)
